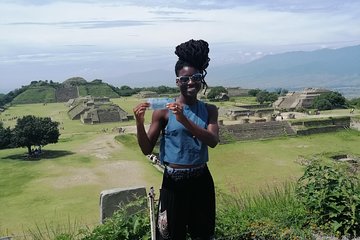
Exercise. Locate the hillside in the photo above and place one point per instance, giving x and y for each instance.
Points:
(36, 94)
(97, 90)
(48, 92)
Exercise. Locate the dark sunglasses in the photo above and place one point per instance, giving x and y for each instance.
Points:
(197, 77)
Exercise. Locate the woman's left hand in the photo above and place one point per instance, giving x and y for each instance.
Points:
(177, 109)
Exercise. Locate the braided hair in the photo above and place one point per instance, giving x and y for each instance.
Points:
(193, 53)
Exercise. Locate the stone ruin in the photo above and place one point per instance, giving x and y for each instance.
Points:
(297, 100)
(257, 112)
(147, 94)
(93, 110)
(237, 91)
(64, 94)
(258, 121)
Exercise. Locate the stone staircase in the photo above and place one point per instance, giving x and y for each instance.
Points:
(289, 102)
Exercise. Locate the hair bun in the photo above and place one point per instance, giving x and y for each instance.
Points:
(194, 52)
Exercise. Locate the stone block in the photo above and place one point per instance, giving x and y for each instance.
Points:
(111, 199)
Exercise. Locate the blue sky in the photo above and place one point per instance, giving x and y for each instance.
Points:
(55, 40)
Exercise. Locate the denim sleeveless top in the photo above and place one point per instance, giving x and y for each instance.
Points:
(178, 145)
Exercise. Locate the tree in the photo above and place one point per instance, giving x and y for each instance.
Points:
(125, 91)
(5, 137)
(254, 92)
(281, 91)
(35, 131)
(355, 102)
(322, 104)
(216, 91)
(265, 96)
(96, 81)
(2, 99)
(329, 100)
(125, 87)
(261, 96)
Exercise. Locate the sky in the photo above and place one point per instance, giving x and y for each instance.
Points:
(56, 40)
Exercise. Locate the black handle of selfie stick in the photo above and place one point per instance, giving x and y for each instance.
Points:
(152, 213)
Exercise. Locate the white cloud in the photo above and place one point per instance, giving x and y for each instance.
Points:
(81, 23)
(52, 31)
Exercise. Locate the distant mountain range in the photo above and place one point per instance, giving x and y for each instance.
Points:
(335, 69)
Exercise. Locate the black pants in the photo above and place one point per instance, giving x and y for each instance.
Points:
(187, 206)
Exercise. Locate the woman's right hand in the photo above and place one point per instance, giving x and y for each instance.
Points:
(139, 112)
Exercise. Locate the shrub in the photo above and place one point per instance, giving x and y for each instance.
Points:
(331, 194)
(216, 91)
(124, 224)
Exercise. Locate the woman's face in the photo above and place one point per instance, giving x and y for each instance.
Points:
(190, 88)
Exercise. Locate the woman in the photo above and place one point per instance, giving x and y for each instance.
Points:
(188, 127)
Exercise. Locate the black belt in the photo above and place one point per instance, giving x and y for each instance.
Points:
(185, 173)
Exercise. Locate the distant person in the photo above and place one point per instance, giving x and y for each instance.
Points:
(352, 111)
(188, 126)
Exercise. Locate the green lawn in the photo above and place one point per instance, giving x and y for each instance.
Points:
(253, 165)
(66, 183)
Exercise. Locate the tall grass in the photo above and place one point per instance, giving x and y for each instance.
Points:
(273, 213)
(53, 230)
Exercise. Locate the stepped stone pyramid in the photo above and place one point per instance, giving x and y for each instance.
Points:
(296, 100)
(93, 110)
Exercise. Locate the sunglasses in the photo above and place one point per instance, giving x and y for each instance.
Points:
(197, 77)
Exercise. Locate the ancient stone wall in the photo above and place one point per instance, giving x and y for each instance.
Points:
(340, 121)
(258, 130)
(321, 125)
(319, 129)
(271, 129)
(108, 116)
(65, 94)
(253, 106)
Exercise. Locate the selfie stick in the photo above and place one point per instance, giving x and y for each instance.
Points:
(152, 213)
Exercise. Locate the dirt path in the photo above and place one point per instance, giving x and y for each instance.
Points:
(101, 147)
(107, 172)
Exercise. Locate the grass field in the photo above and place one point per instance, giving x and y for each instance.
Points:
(66, 182)
(253, 165)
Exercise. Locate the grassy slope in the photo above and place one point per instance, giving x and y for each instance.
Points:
(36, 95)
(97, 90)
(28, 195)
